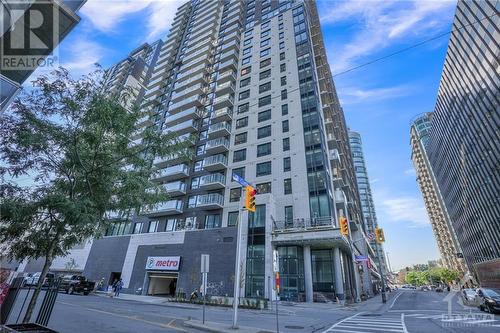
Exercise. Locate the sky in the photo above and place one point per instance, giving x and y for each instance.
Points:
(379, 100)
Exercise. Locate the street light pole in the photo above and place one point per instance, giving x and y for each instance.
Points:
(381, 271)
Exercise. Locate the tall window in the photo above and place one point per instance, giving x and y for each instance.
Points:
(212, 221)
(286, 144)
(287, 183)
(286, 164)
(263, 169)
(240, 155)
(153, 226)
(232, 219)
(264, 132)
(264, 115)
(264, 149)
(235, 194)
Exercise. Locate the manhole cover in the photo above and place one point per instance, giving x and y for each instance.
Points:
(292, 327)
(371, 315)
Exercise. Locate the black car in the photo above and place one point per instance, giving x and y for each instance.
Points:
(488, 299)
(76, 284)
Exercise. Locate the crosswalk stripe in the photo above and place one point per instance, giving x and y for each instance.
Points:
(348, 331)
(372, 328)
(374, 324)
(380, 320)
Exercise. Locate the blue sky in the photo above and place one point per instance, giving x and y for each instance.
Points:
(379, 100)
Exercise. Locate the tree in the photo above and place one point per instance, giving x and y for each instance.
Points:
(74, 139)
(448, 275)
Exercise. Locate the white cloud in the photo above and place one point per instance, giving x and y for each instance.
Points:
(108, 14)
(82, 56)
(351, 95)
(382, 24)
(410, 172)
(406, 209)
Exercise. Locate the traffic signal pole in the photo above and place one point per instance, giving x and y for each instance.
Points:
(381, 271)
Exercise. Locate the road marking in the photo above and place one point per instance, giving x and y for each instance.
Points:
(369, 328)
(340, 322)
(403, 323)
(395, 299)
(129, 317)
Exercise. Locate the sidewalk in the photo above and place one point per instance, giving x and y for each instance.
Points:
(149, 299)
(375, 304)
(222, 328)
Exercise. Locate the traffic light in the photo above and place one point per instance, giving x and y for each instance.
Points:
(344, 226)
(379, 235)
(250, 198)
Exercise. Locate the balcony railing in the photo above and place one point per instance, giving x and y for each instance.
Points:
(217, 145)
(164, 208)
(213, 181)
(191, 113)
(304, 224)
(222, 115)
(182, 128)
(219, 129)
(212, 200)
(186, 103)
(223, 101)
(215, 162)
(175, 188)
(174, 172)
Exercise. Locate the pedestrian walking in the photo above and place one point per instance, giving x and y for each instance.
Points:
(118, 287)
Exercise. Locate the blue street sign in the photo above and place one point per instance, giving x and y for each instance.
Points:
(361, 258)
(240, 180)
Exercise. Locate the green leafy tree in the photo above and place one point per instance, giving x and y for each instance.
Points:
(448, 275)
(75, 141)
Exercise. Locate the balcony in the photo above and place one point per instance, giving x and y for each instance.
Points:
(230, 45)
(175, 172)
(199, 78)
(179, 94)
(189, 126)
(201, 68)
(170, 207)
(223, 101)
(316, 231)
(233, 64)
(219, 129)
(213, 181)
(191, 113)
(225, 114)
(218, 145)
(231, 54)
(225, 88)
(215, 162)
(175, 158)
(185, 104)
(226, 76)
(210, 201)
(175, 188)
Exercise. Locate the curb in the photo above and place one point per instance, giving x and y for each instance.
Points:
(207, 328)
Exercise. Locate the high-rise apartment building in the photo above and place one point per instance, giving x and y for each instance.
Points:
(18, 53)
(464, 146)
(248, 84)
(436, 209)
(366, 198)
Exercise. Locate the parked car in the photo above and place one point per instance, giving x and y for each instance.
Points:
(76, 284)
(32, 279)
(488, 299)
(469, 296)
(438, 290)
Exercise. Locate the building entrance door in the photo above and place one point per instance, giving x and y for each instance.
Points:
(162, 284)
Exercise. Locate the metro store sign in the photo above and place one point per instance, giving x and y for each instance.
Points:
(163, 263)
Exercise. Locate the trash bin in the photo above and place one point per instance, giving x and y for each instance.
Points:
(29, 328)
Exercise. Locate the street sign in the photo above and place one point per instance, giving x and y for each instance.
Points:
(240, 180)
(361, 258)
(371, 236)
(276, 261)
(205, 263)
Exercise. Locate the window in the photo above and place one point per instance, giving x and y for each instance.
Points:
(242, 122)
(247, 50)
(263, 188)
(243, 108)
(265, 87)
(281, 35)
(170, 225)
(240, 138)
(265, 25)
(246, 61)
(264, 132)
(264, 115)
(288, 213)
(265, 74)
(234, 194)
(248, 33)
(263, 169)
(287, 184)
(247, 42)
(265, 53)
(300, 38)
(244, 82)
(285, 126)
(280, 26)
(286, 144)
(265, 33)
(192, 201)
(246, 70)
(284, 109)
(282, 56)
(265, 63)
(286, 164)
(203, 135)
(264, 149)
(200, 150)
(232, 218)
(282, 45)
(239, 171)
(283, 68)
(245, 94)
(212, 221)
(266, 100)
(153, 226)
(198, 165)
(138, 227)
(265, 43)
(283, 81)
(240, 155)
(284, 94)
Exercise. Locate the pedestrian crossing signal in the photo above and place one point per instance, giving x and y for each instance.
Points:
(344, 226)
(379, 235)
(250, 198)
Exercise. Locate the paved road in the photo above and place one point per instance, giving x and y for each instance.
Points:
(419, 312)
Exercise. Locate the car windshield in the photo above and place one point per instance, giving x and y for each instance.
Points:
(491, 292)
